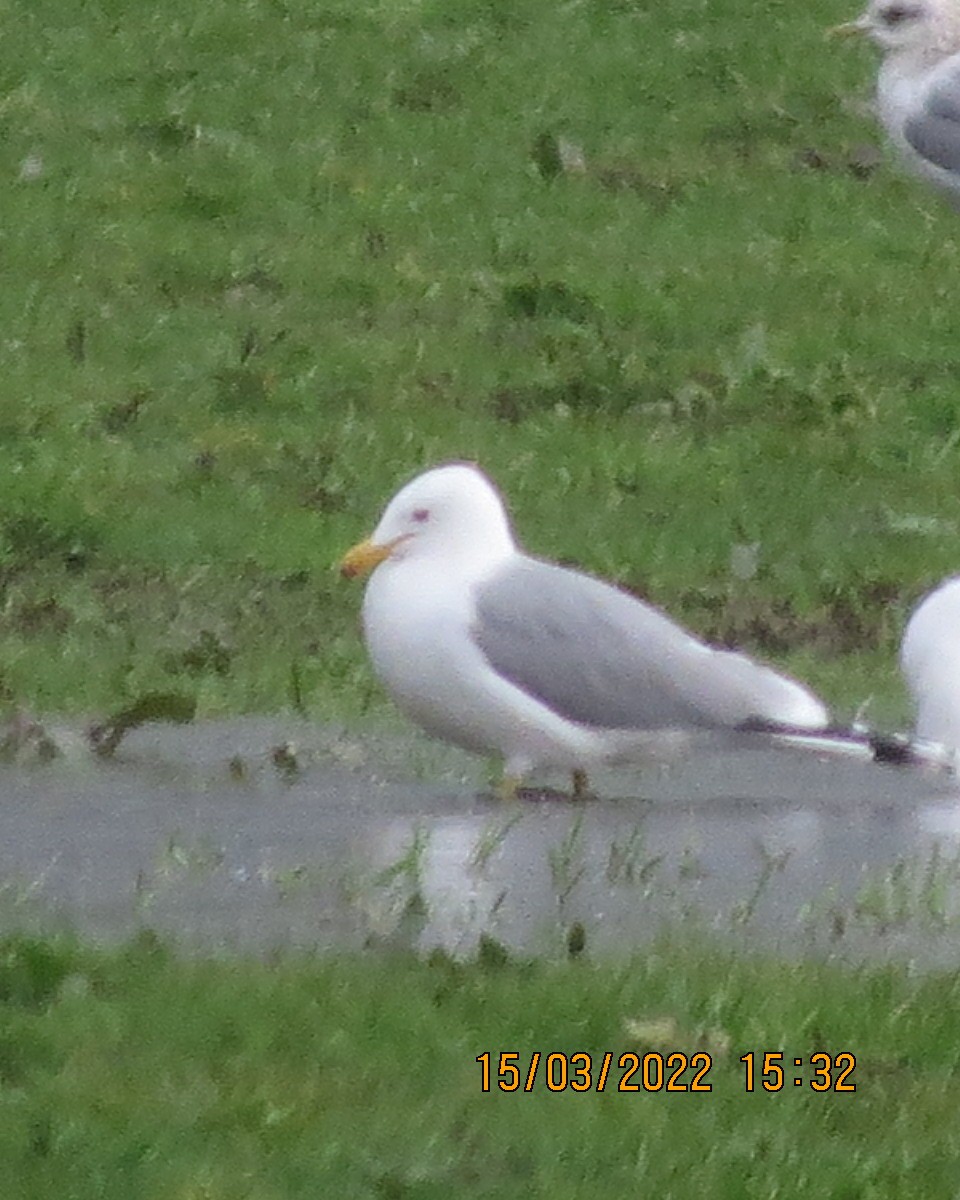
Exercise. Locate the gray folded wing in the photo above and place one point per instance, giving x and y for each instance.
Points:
(599, 657)
(933, 131)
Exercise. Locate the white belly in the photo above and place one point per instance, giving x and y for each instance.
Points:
(421, 650)
(931, 663)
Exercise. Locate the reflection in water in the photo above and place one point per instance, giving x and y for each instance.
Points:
(785, 850)
(795, 880)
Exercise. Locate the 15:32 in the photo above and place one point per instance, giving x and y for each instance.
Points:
(831, 1072)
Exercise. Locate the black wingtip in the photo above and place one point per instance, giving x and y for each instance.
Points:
(894, 749)
(897, 750)
(889, 749)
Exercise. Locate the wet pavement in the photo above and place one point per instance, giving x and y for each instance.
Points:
(257, 833)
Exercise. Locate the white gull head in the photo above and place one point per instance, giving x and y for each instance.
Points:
(450, 514)
(929, 28)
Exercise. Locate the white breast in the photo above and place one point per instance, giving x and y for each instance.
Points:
(903, 84)
(417, 629)
(930, 658)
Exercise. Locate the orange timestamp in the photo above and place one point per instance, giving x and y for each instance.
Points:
(829, 1072)
(657, 1071)
(583, 1072)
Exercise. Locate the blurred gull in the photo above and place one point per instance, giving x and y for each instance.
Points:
(502, 653)
(930, 660)
(918, 88)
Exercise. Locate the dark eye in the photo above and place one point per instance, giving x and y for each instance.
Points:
(898, 13)
(421, 514)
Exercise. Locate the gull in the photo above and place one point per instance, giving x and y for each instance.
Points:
(930, 661)
(502, 653)
(918, 88)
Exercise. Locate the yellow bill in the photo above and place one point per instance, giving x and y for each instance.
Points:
(364, 556)
(848, 29)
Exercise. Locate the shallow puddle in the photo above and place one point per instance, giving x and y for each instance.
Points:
(261, 832)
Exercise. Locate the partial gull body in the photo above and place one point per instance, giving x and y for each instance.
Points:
(930, 660)
(498, 652)
(918, 88)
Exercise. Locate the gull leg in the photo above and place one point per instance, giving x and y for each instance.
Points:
(508, 787)
(581, 785)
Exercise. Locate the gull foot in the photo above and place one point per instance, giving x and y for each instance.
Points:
(581, 787)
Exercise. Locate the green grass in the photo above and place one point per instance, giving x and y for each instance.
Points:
(266, 261)
(133, 1073)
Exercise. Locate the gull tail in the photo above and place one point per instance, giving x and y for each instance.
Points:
(891, 749)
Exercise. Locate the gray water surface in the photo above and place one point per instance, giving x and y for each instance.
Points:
(212, 835)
